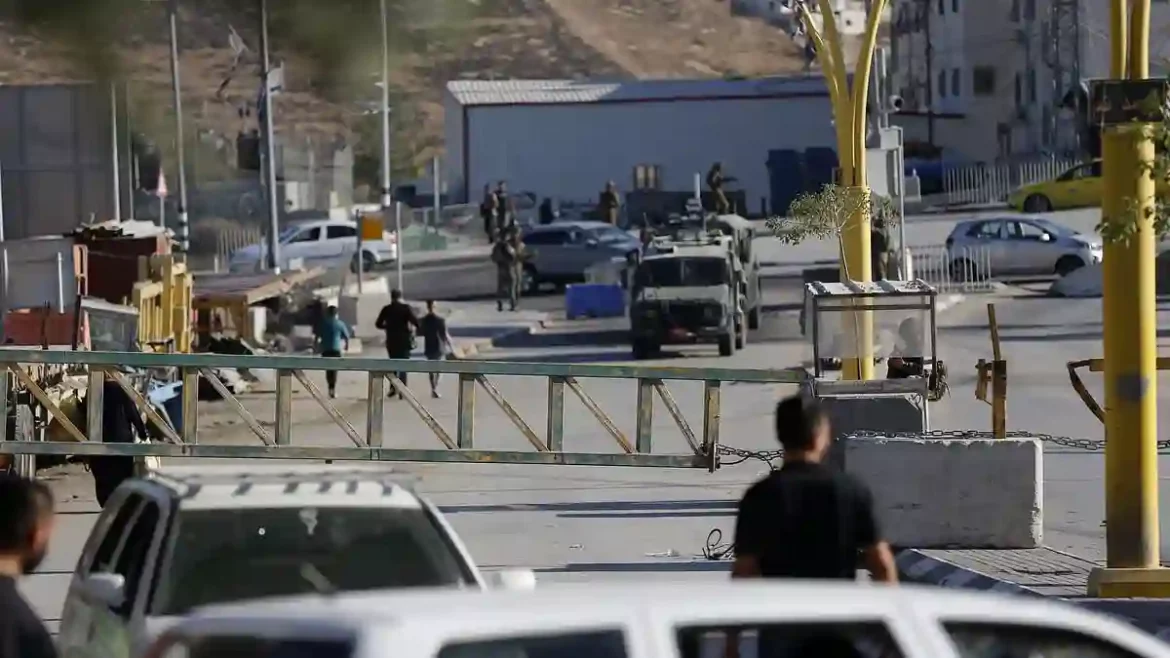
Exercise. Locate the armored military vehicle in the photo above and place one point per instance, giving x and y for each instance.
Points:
(689, 289)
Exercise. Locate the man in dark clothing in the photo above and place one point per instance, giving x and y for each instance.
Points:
(608, 204)
(121, 420)
(715, 181)
(436, 341)
(487, 212)
(503, 209)
(547, 214)
(26, 524)
(399, 322)
(806, 520)
(879, 249)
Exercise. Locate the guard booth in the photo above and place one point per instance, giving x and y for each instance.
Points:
(904, 328)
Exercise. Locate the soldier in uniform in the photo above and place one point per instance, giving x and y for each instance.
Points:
(715, 180)
(609, 203)
(487, 212)
(503, 209)
(509, 267)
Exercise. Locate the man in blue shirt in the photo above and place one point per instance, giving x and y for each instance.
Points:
(332, 340)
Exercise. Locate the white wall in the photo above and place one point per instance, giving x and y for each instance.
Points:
(453, 149)
(569, 151)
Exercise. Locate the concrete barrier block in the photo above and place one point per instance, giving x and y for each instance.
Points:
(885, 414)
(953, 493)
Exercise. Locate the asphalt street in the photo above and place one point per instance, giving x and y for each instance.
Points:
(605, 523)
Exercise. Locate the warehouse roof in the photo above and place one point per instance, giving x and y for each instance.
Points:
(546, 92)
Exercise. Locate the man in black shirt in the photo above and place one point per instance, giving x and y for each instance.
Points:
(26, 522)
(121, 419)
(397, 319)
(436, 341)
(808, 520)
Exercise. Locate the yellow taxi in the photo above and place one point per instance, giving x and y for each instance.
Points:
(1077, 187)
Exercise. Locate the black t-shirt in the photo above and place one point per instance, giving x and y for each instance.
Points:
(22, 635)
(806, 521)
(434, 331)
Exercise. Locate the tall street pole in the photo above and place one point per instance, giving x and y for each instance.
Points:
(184, 232)
(849, 115)
(386, 114)
(116, 161)
(1130, 336)
(269, 147)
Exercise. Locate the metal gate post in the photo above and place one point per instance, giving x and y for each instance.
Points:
(645, 415)
(465, 421)
(375, 408)
(711, 417)
(190, 406)
(556, 414)
(284, 407)
(95, 402)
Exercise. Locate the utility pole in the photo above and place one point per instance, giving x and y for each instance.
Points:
(184, 232)
(926, 12)
(269, 148)
(386, 114)
(849, 114)
(1130, 336)
(117, 161)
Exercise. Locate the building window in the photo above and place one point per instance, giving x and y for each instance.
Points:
(956, 83)
(1015, 11)
(1032, 86)
(983, 81)
(1019, 91)
(954, 6)
(1029, 10)
(942, 84)
(647, 177)
(942, 7)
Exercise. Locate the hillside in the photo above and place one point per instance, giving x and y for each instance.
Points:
(497, 39)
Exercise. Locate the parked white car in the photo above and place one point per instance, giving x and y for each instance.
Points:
(179, 539)
(1018, 245)
(656, 620)
(320, 242)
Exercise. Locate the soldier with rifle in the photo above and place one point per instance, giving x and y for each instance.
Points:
(609, 203)
(715, 181)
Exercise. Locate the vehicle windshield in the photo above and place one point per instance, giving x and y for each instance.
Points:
(287, 233)
(1054, 228)
(677, 272)
(608, 234)
(221, 556)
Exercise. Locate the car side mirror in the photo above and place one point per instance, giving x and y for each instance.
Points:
(1046, 237)
(592, 244)
(106, 588)
(513, 580)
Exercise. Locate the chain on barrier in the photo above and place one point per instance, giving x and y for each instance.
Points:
(715, 548)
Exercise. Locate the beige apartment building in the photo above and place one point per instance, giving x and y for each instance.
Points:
(996, 73)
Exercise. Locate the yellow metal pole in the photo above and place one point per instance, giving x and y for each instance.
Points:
(1129, 320)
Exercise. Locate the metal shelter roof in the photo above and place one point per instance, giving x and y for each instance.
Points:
(545, 92)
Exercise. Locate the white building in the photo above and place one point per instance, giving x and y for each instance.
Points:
(565, 139)
(850, 14)
(999, 70)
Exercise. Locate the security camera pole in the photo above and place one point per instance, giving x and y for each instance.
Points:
(849, 114)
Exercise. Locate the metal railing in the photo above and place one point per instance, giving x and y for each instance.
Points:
(955, 270)
(984, 184)
(547, 447)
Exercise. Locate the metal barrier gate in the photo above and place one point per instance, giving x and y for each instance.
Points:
(459, 447)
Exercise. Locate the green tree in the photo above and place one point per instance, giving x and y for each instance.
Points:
(823, 214)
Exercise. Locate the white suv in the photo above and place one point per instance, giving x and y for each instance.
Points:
(322, 242)
(183, 538)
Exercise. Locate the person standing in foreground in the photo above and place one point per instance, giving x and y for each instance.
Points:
(807, 520)
(437, 342)
(332, 341)
(26, 524)
(397, 319)
(121, 419)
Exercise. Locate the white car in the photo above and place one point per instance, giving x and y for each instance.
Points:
(180, 538)
(1019, 245)
(320, 242)
(657, 620)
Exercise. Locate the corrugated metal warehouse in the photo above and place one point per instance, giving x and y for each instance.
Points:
(564, 139)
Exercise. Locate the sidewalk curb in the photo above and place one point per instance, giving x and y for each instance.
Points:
(914, 566)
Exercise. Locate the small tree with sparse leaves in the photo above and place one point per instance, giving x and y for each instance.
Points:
(1122, 229)
(824, 214)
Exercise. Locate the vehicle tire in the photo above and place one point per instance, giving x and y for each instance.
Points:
(963, 270)
(364, 262)
(1037, 203)
(529, 281)
(754, 316)
(726, 344)
(741, 337)
(1068, 264)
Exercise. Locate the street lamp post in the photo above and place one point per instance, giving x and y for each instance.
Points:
(269, 147)
(849, 115)
(176, 89)
(1130, 336)
(386, 115)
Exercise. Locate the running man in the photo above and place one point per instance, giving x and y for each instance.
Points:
(332, 340)
(437, 344)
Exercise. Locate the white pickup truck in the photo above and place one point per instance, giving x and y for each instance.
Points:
(181, 538)
(655, 620)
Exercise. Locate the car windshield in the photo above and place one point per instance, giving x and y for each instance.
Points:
(608, 234)
(220, 556)
(287, 233)
(677, 272)
(1054, 228)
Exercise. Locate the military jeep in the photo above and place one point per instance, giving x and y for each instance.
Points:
(686, 293)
